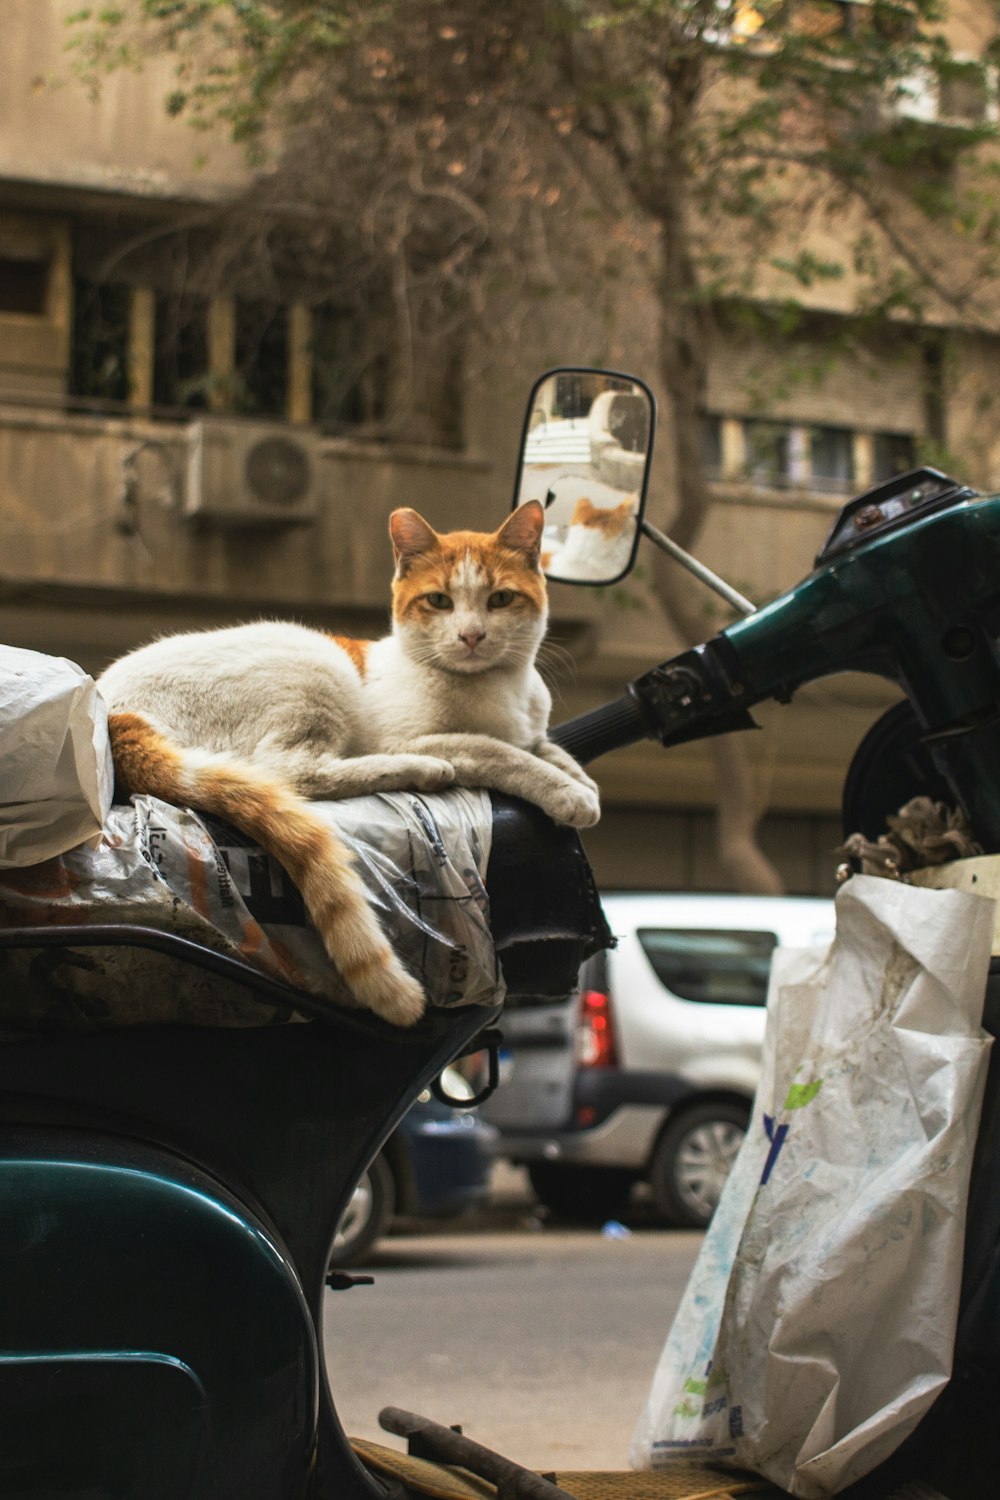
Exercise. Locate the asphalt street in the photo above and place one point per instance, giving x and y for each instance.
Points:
(539, 1342)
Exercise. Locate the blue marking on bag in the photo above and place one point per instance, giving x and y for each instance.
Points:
(777, 1136)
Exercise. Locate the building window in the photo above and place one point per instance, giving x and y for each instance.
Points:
(817, 458)
(768, 449)
(894, 453)
(350, 381)
(180, 352)
(831, 458)
(100, 341)
(174, 353)
(964, 93)
(24, 287)
(261, 358)
(573, 396)
(184, 353)
(35, 304)
(710, 438)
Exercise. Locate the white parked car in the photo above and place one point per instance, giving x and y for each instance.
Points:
(647, 1072)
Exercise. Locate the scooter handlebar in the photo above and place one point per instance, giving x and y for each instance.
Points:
(610, 727)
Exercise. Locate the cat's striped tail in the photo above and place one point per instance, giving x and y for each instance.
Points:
(286, 827)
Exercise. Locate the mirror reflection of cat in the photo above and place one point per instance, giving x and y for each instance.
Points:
(597, 544)
(566, 494)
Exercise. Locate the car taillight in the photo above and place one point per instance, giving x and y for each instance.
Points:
(595, 1038)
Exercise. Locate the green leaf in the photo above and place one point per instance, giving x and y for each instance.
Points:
(801, 1094)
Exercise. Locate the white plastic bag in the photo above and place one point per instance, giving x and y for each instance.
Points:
(818, 1324)
(56, 775)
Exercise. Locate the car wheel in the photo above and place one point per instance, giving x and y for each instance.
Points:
(693, 1159)
(581, 1195)
(367, 1215)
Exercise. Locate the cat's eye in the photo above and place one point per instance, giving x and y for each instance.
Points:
(501, 598)
(438, 601)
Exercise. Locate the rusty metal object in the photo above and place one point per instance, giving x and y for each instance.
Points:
(447, 1445)
(870, 516)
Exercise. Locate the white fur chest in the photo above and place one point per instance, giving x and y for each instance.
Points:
(404, 700)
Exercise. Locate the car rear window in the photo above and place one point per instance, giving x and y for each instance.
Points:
(718, 966)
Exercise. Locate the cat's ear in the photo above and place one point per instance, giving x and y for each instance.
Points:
(522, 530)
(411, 537)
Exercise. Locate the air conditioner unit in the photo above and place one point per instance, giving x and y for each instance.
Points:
(247, 474)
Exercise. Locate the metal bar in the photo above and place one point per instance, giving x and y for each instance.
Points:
(427, 1439)
(719, 585)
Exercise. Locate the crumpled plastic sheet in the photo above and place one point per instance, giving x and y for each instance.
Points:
(422, 859)
(56, 757)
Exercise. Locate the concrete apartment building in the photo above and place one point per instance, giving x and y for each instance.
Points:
(130, 494)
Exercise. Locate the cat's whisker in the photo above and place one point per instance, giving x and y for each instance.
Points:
(558, 668)
(424, 655)
(557, 659)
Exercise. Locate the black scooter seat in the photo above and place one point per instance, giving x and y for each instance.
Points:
(545, 918)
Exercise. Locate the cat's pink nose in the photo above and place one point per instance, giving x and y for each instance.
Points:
(472, 638)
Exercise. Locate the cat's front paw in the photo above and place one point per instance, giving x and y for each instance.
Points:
(429, 773)
(575, 805)
(406, 772)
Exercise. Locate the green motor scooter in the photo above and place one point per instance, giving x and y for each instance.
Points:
(169, 1195)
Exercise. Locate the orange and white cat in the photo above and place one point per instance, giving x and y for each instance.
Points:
(248, 722)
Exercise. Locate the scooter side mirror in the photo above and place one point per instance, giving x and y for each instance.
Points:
(586, 453)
